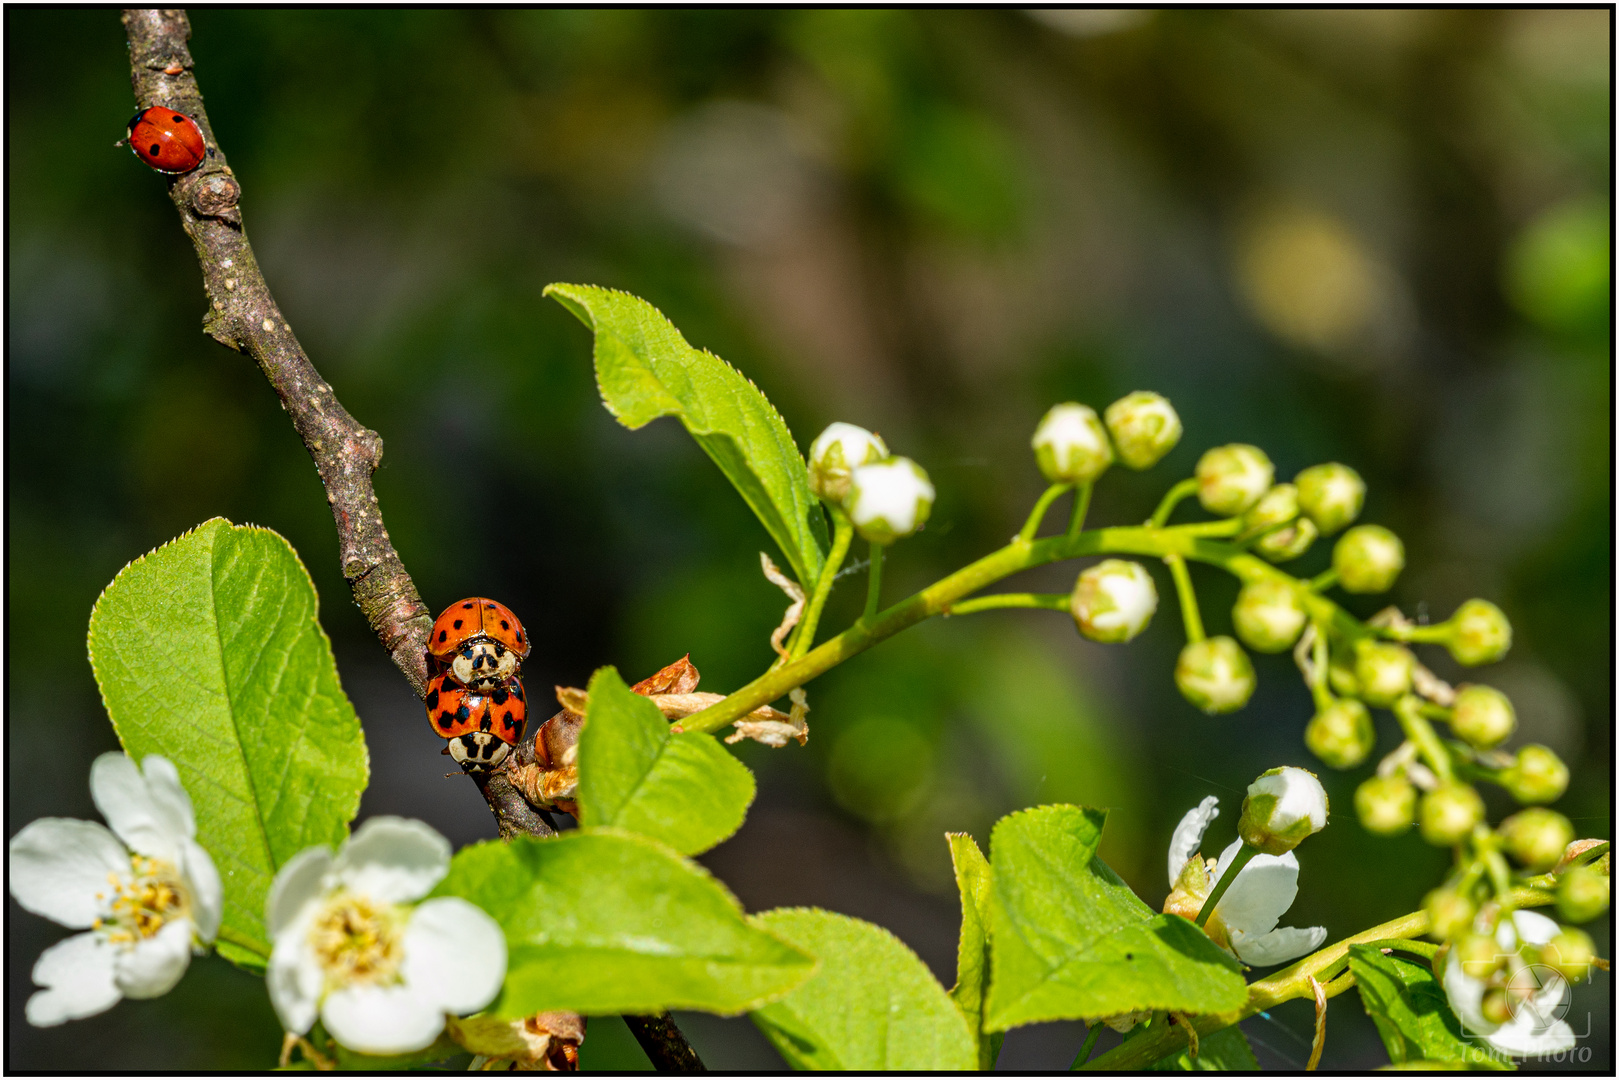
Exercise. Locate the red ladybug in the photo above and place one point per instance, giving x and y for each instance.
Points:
(168, 141)
(481, 727)
(480, 640)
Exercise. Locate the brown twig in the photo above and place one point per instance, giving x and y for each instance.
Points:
(243, 315)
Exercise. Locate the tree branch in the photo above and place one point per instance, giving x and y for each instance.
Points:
(664, 1043)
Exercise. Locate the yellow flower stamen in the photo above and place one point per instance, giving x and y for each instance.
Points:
(141, 904)
(357, 940)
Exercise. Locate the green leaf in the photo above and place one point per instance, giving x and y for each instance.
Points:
(1073, 942)
(645, 370)
(1226, 1050)
(1409, 1007)
(972, 949)
(871, 1005)
(685, 790)
(208, 651)
(601, 921)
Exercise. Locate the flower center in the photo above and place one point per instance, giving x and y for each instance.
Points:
(357, 940)
(142, 903)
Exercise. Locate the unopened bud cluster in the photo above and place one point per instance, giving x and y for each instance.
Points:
(886, 498)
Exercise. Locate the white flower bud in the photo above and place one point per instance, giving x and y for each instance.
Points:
(1341, 734)
(1449, 812)
(1331, 495)
(1144, 427)
(889, 500)
(1287, 543)
(1268, 615)
(1070, 445)
(1386, 805)
(1215, 675)
(1283, 808)
(1113, 601)
(1383, 671)
(1483, 716)
(837, 450)
(1231, 478)
(1479, 634)
(1368, 558)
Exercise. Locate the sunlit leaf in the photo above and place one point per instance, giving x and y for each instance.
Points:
(1412, 1014)
(973, 946)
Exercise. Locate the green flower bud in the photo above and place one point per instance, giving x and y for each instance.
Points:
(1341, 734)
(1583, 893)
(1341, 675)
(1070, 446)
(1537, 776)
(1383, 670)
(1287, 543)
(1368, 558)
(1571, 954)
(1449, 913)
(1277, 506)
(1268, 615)
(1536, 837)
(1449, 812)
(1215, 675)
(889, 500)
(1479, 634)
(835, 452)
(1113, 601)
(1283, 808)
(1144, 427)
(1482, 716)
(1231, 478)
(1479, 954)
(1386, 805)
(1496, 1006)
(1331, 495)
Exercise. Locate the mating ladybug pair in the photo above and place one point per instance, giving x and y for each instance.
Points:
(168, 141)
(475, 699)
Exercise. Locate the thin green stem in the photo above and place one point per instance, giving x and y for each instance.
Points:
(1244, 854)
(1323, 581)
(1319, 677)
(1425, 949)
(1082, 506)
(1188, 596)
(1437, 634)
(842, 534)
(1171, 498)
(1408, 711)
(1091, 1036)
(1213, 529)
(936, 598)
(1046, 601)
(1038, 514)
(874, 585)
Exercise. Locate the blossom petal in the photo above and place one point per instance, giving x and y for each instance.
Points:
(207, 895)
(1530, 926)
(77, 976)
(1536, 1027)
(152, 967)
(1277, 947)
(1466, 996)
(1189, 835)
(1261, 895)
(393, 859)
(382, 1019)
(294, 977)
(298, 883)
(169, 796)
(58, 865)
(121, 794)
(455, 954)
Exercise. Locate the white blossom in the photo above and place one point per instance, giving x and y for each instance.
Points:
(349, 947)
(1283, 807)
(1536, 1027)
(838, 450)
(1244, 920)
(889, 500)
(145, 891)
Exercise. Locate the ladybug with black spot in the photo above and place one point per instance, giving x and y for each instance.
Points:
(480, 641)
(167, 140)
(481, 726)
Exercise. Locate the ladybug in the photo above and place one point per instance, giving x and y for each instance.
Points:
(168, 141)
(481, 641)
(481, 726)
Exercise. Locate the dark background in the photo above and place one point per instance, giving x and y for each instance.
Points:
(1374, 237)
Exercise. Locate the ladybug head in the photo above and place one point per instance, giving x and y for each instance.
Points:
(478, 751)
(483, 663)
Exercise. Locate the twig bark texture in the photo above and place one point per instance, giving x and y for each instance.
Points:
(243, 315)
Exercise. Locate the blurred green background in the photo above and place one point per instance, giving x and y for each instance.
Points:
(1377, 237)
